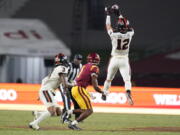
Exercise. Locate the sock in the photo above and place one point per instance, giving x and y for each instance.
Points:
(70, 112)
(107, 85)
(74, 122)
(42, 117)
(128, 85)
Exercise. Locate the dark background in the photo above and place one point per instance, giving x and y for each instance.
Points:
(81, 25)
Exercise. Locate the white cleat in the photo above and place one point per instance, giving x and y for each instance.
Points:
(34, 126)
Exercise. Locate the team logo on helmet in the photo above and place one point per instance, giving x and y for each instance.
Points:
(122, 25)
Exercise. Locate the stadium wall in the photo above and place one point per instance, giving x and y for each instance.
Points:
(150, 100)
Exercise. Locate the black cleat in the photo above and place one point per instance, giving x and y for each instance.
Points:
(74, 127)
(68, 121)
(129, 97)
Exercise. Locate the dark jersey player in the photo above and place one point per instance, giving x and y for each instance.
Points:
(88, 75)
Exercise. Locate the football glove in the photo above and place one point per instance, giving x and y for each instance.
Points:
(103, 97)
(108, 10)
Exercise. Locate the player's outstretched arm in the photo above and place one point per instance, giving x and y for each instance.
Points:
(95, 83)
(108, 12)
(64, 83)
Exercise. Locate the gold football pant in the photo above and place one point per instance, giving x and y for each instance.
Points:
(82, 97)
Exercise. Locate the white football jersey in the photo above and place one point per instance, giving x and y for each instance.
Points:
(120, 42)
(52, 81)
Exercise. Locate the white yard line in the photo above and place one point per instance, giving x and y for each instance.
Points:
(97, 109)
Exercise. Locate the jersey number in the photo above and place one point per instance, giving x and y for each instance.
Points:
(123, 45)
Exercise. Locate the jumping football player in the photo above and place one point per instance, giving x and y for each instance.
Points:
(88, 75)
(121, 37)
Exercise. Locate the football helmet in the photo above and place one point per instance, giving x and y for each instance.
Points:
(93, 58)
(122, 25)
(61, 59)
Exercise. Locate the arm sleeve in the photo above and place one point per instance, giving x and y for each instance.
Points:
(108, 20)
(108, 23)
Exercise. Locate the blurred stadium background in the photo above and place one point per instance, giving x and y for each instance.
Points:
(79, 27)
(33, 31)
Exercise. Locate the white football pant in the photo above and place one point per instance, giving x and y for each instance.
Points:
(121, 63)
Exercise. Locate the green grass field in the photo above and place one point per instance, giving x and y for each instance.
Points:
(16, 123)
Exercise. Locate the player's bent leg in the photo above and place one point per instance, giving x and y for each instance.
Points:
(112, 70)
(85, 113)
(34, 124)
(82, 97)
(76, 106)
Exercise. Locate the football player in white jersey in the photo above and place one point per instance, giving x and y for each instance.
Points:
(120, 38)
(49, 84)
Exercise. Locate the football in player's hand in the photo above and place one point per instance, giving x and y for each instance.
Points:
(115, 9)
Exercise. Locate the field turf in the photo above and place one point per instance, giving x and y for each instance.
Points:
(16, 123)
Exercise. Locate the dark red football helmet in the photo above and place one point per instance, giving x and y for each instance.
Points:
(60, 59)
(122, 25)
(93, 58)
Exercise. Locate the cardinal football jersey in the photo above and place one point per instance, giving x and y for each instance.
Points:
(84, 77)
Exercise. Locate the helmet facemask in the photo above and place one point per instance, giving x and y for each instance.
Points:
(93, 58)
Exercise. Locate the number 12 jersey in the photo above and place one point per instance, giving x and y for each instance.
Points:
(120, 42)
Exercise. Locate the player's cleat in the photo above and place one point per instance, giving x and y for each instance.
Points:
(33, 126)
(34, 113)
(74, 127)
(67, 121)
(129, 97)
